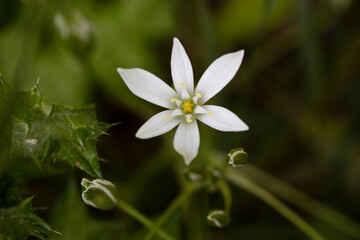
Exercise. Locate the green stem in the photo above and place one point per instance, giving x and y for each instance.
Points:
(141, 218)
(178, 201)
(317, 209)
(226, 193)
(239, 179)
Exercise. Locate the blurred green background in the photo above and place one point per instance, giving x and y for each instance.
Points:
(298, 90)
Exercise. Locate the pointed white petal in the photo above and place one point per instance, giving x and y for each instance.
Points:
(176, 112)
(200, 110)
(185, 95)
(187, 140)
(222, 119)
(181, 69)
(195, 99)
(218, 75)
(147, 86)
(157, 125)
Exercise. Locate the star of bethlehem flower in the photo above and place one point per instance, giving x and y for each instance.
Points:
(185, 105)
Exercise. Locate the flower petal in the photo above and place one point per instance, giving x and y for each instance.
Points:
(147, 86)
(218, 75)
(157, 125)
(187, 140)
(176, 112)
(200, 110)
(222, 119)
(181, 70)
(185, 95)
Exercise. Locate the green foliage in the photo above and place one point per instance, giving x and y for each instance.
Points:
(20, 222)
(33, 137)
(41, 134)
(242, 19)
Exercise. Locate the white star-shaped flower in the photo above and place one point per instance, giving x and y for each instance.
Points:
(186, 104)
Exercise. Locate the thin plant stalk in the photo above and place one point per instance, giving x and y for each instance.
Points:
(178, 202)
(317, 209)
(242, 181)
(124, 206)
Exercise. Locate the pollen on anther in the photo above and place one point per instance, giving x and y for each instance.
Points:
(164, 117)
(189, 120)
(182, 84)
(210, 113)
(174, 100)
(198, 94)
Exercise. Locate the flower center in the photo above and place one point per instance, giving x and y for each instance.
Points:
(188, 107)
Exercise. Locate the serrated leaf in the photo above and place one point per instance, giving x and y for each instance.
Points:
(44, 134)
(20, 222)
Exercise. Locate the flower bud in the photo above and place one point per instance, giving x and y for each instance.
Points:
(237, 157)
(193, 176)
(99, 193)
(218, 218)
(77, 30)
(212, 175)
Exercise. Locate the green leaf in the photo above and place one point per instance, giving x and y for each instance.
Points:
(20, 222)
(43, 135)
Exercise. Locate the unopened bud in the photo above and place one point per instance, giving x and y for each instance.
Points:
(218, 218)
(237, 157)
(99, 193)
(212, 175)
(194, 176)
(76, 29)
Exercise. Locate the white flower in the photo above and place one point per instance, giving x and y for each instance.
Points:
(186, 104)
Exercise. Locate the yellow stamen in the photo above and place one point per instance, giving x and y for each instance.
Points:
(188, 107)
(182, 84)
(189, 120)
(174, 100)
(164, 117)
(210, 113)
(198, 94)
